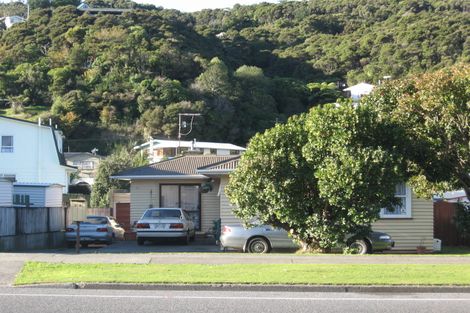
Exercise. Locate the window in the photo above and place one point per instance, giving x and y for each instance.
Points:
(186, 197)
(84, 165)
(7, 144)
(21, 200)
(403, 210)
(234, 152)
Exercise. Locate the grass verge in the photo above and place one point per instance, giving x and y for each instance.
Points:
(313, 274)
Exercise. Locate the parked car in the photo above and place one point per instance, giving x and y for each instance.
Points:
(165, 223)
(261, 239)
(95, 229)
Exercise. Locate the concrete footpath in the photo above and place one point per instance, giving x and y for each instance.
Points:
(228, 258)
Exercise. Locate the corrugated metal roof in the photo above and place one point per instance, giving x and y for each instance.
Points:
(163, 143)
(181, 166)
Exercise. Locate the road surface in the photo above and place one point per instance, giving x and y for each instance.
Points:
(31, 300)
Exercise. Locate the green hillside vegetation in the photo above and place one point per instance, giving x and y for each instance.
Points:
(114, 78)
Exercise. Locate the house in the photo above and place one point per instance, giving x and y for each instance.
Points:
(455, 196)
(160, 149)
(6, 191)
(12, 20)
(87, 164)
(35, 195)
(197, 183)
(32, 153)
(357, 91)
(84, 7)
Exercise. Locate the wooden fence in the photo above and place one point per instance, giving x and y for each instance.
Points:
(80, 213)
(25, 221)
(444, 225)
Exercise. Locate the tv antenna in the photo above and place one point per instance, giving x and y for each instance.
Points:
(184, 124)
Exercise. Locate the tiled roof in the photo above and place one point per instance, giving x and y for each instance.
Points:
(181, 166)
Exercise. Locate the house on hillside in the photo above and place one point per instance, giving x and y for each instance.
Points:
(160, 149)
(31, 153)
(84, 7)
(197, 183)
(87, 164)
(357, 91)
(9, 21)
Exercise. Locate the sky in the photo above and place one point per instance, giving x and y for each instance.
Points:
(197, 5)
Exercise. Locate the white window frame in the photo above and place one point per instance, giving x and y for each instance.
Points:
(407, 196)
(7, 149)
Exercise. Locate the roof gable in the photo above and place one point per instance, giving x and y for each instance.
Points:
(178, 167)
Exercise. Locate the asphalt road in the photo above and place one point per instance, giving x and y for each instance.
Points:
(30, 300)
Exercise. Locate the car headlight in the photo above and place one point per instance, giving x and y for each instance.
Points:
(385, 237)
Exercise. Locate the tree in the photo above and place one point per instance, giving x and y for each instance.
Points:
(320, 176)
(39, 4)
(120, 160)
(434, 111)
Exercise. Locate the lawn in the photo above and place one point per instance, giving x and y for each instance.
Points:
(314, 274)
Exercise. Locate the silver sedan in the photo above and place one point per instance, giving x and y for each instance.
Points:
(165, 223)
(94, 229)
(261, 239)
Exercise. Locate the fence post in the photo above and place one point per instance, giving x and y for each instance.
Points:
(65, 216)
(17, 222)
(77, 241)
(48, 219)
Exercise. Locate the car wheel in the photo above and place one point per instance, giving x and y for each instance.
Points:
(140, 241)
(258, 245)
(360, 246)
(84, 244)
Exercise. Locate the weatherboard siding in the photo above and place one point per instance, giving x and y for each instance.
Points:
(53, 196)
(146, 194)
(226, 214)
(6, 193)
(37, 195)
(210, 208)
(411, 232)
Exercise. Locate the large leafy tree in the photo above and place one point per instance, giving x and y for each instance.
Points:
(120, 160)
(320, 176)
(434, 111)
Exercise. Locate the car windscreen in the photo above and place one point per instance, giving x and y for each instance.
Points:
(163, 214)
(95, 220)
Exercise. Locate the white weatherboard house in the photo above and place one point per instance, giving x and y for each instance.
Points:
(357, 91)
(197, 183)
(32, 153)
(161, 149)
(6, 191)
(12, 20)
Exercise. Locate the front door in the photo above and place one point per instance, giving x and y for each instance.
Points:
(186, 197)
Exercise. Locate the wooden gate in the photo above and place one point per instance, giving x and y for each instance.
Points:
(123, 215)
(444, 224)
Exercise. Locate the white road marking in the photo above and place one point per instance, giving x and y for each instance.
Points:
(229, 298)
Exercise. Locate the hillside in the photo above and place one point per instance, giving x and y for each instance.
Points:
(115, 78)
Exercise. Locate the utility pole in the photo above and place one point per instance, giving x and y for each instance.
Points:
(183, 123)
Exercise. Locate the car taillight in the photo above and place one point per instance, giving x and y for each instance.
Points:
(176, 226)
(226, 229)
(102, 230)
(142, 225)
(69, 230)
